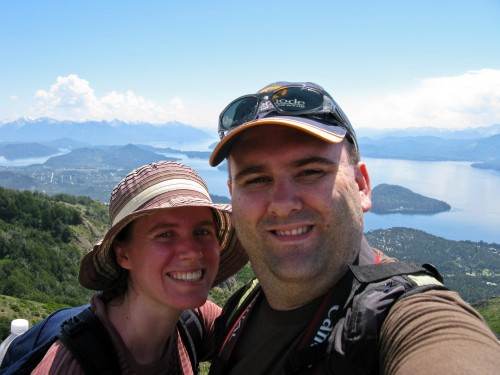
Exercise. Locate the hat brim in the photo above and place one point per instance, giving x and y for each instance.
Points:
(327, 132)
(99, 270)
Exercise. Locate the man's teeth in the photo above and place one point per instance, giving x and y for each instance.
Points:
(293, 232)
(186, 275)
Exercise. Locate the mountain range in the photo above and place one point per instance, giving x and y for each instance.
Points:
(92, 133)
(44, 137)
(468, 133)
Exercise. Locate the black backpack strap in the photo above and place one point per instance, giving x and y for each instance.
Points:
(376, 272)
(231, 313)
(192, 332)
(89, 342)
(354, 342)
(373, 290)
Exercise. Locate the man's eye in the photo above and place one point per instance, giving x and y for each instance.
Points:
(311, 172)
(257, 180)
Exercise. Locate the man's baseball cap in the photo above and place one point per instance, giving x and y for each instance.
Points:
(305, 106)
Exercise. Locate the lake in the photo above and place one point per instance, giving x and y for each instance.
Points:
(472, 193)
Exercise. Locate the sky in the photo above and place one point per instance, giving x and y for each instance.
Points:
(389, 64)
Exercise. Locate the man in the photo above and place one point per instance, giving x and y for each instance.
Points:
(299, 191)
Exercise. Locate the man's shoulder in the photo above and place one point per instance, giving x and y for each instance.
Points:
(437, 300)
(437, 324)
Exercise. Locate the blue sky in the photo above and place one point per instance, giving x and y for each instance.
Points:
(388, 63)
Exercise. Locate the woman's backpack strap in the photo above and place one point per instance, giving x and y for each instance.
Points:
(89, 342)
(192, 331)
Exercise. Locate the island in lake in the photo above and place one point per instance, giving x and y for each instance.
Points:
(394, 199)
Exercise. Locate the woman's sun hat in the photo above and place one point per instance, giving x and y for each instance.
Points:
(154, 187)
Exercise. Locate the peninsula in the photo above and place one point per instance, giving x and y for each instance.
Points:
(392, 199)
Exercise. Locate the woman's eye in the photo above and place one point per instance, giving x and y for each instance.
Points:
(166, 234)
(204, 232)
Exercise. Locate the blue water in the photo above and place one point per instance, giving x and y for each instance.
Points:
(472, 193)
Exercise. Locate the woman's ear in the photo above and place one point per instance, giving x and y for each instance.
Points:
(121, 254)
(363, 181)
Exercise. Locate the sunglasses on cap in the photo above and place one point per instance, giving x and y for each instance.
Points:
(292, 100)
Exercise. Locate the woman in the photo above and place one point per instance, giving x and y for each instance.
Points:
(167, 246)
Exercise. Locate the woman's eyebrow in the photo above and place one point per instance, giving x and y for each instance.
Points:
(163, 224)
(169, 225)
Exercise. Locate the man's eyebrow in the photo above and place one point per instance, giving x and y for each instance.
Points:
(249, 170)
(297, 163)
(314, 160)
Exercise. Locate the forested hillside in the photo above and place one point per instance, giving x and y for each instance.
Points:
(42, 240)
(471, 268)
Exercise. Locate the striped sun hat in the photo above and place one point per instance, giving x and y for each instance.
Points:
(145, 190)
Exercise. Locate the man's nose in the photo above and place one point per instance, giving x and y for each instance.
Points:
(284, 198)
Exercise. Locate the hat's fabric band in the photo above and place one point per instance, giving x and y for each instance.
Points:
(157, 189)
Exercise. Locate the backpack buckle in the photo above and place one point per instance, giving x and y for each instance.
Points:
(72, 325)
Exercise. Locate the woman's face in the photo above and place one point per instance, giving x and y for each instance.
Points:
(172, 257)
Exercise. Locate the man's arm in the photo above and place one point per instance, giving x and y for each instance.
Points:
(436, 332)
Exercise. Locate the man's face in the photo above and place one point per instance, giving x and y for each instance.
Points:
(297, 205)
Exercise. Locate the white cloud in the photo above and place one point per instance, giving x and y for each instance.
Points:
(72, 98)
(468, 100)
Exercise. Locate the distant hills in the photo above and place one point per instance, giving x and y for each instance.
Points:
(468, 133)
(479, 145)
(88, 171)
(25, 138)
(125, 157)
(91, 133)
(94, 171)
(429, 148)
(89, 158)
(13, 151)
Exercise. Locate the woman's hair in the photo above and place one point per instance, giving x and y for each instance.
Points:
(118, 290)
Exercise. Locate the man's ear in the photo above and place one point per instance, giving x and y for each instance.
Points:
(363, 181)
